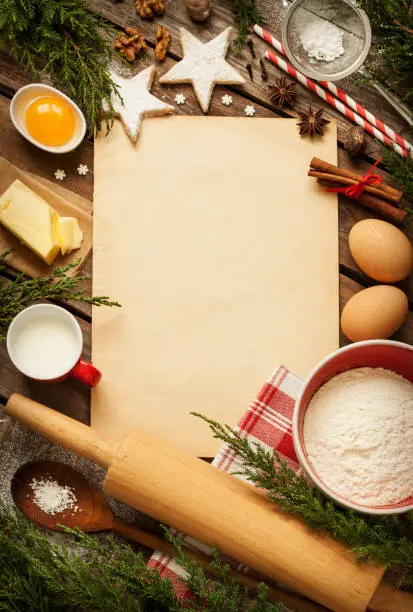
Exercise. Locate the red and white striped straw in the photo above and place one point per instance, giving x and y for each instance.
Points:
(269, 38)
(361, 112)
(378, 123)
(324, 95)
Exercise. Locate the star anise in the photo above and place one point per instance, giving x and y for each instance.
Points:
(312, 122)
(283, 92)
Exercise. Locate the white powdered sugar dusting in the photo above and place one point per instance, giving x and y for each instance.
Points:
(52, 497)
(358, 434)
(136, 101)
(203, 65)
(322, 40)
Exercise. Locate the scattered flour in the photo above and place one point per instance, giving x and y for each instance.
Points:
(51, 497)
(358, 433)
(322, 41)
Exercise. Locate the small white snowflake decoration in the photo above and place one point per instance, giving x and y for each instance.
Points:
(82, 169)
(60, 175)
(249, 110)
(180, 99)
(226, 100)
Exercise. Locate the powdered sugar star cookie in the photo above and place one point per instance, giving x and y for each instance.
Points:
(204, 66)
(138, 102)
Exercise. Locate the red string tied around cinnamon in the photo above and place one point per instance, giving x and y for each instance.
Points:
(355, 191)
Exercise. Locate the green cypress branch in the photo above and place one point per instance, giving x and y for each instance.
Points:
(67, 41)
(107, 576)
(17, 294)
(387, 540)
(401, 168)
(392, 23)
(246, 15)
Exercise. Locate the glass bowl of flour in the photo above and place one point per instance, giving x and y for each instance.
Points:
(353, 426)
(327, 40)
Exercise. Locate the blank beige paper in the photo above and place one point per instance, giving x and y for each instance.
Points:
(224, 255)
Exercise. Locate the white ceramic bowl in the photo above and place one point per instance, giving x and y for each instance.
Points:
(387, 354)
(27, 94)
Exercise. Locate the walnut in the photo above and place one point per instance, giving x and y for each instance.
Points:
(198, 10)
(130, 45)
(148, 9)
(163, 40)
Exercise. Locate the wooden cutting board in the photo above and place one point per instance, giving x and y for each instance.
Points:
(66, 203)
(224, 256)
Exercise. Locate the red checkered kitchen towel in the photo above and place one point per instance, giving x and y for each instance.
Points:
(268, 423)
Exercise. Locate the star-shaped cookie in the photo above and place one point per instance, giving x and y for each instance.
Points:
(204, 66)
(138, 102)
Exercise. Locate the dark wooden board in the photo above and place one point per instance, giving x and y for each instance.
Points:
(72, 397)
(124, 14)
(349, 212)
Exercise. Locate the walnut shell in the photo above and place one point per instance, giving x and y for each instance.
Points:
(198, 10)
(355, 141)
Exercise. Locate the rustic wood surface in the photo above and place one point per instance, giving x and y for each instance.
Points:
(71, 397)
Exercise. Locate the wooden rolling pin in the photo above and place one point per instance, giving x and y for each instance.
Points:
(218, 509)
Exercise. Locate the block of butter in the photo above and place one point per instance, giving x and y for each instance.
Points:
(26, 215)
(68, 233)
(30, 218)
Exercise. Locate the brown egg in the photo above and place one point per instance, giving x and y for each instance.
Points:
(376, 312)
(381, 250)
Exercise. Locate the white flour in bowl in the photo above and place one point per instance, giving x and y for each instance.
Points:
(358, 434)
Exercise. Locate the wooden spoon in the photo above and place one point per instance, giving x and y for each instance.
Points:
(91, 513)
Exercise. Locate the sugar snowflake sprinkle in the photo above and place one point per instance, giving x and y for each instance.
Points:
(82, 169)
(249, 110)
(226, 100)
(180, 99)
(60, 175)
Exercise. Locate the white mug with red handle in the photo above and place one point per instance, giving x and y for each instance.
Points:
(45, 343)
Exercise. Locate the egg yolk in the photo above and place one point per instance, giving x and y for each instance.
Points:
(50, 121)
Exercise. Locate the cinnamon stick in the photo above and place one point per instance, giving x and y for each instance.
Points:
(397, 215)
(322, 166)
(343, 180)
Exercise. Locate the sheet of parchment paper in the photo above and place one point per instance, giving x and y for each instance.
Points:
(224, 255)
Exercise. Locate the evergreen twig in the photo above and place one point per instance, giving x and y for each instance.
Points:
(17, 294)
(224, 593)
(401, 168)
(246, 15)
(107, 576)
(69, 43)
(387, 540)
(392, 23)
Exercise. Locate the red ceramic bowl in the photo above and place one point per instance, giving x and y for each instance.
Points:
(387, 354)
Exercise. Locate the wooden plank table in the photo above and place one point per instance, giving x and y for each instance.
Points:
(71, 397)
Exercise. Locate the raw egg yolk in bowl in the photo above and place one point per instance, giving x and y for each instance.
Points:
(50, 121)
